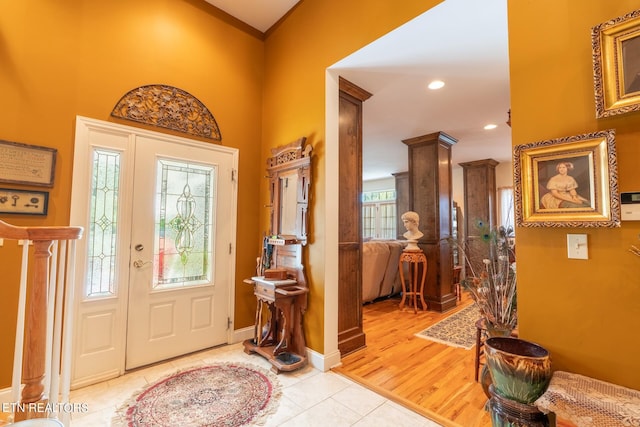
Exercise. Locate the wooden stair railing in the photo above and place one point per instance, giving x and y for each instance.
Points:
(42, 354)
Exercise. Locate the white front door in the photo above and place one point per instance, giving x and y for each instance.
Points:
(157, 266)
(179, 275)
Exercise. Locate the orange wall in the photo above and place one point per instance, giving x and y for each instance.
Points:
(78, 57)
(585, 312)
(314, 36)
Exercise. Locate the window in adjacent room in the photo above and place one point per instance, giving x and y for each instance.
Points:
(505, 208)
(379, 214)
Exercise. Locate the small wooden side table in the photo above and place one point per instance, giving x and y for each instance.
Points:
(281, 339)
(414, 259)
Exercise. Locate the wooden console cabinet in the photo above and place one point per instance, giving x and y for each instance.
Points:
(282, 300)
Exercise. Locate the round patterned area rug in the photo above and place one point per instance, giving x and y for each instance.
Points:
(226, 395)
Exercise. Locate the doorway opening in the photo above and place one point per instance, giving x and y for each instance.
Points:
(453, 36)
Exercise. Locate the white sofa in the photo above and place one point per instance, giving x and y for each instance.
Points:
(380, 276)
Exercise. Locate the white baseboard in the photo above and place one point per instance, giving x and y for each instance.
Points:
(240, 335)
(323, 362)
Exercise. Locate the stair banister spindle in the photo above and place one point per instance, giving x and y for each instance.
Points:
(19, 343)
(67, 338)
(57, 329)
(51, 291)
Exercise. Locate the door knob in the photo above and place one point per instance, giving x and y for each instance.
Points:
(139, 247)
(140, 263)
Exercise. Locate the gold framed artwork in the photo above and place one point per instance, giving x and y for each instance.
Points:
(616, 65)
(27, 164)
(25, 202)
(567, 182)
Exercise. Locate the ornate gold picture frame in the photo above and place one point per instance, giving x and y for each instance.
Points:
(567, 182)
(616, 65)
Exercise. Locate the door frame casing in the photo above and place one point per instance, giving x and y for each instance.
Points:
(79, 215)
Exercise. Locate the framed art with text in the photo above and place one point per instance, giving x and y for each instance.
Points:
(27, 164)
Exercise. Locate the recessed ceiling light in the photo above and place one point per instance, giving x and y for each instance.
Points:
(436, 84)
(490, 126)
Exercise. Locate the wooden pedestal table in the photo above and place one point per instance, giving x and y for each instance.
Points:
(278, 336)
(414, 259)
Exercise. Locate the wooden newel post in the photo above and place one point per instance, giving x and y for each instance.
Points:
(35, 338)
(33, 368)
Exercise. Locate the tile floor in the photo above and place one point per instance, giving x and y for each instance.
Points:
(309, 397)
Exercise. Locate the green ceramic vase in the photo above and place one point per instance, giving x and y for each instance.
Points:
(520, 370)
(485, 375)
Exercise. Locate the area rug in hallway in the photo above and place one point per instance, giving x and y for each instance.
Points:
(457, 330)
(229, 395)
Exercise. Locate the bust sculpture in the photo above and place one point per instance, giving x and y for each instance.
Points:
(411, 221)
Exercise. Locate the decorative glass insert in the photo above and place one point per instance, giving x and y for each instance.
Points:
(103, 224)
(184, 224)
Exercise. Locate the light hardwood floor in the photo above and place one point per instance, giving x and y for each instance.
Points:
(433, 379)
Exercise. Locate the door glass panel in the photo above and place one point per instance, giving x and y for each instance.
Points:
(103, 224)
(183, 249)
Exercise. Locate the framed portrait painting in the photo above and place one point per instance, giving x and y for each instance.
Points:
(616, 65)
(567, 182)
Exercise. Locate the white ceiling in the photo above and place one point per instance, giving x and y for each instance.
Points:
(260, 14)
(462, 42)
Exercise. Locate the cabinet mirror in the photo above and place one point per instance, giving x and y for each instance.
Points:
(289, 182)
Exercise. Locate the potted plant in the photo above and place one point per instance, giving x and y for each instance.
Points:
(493, 287)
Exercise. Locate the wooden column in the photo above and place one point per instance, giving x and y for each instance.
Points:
(402, 200)
(351, 336)
(430, 196)
(479, 205)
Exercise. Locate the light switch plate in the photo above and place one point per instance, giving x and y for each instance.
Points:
(577, 246)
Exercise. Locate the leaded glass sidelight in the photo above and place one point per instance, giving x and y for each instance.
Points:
(103, 224)
(183, 250)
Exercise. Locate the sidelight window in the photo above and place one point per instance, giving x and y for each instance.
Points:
(103, 224)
